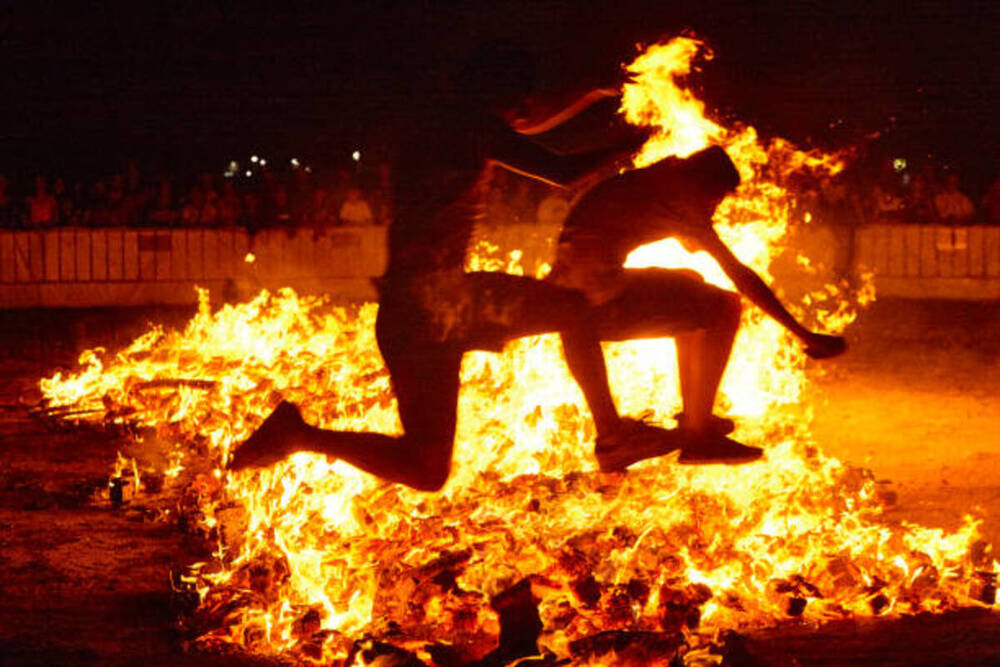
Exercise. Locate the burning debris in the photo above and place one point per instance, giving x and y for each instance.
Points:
(529, 555)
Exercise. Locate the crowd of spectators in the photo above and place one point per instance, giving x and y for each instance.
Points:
(299, 198)
(928, 195)
(268, 199)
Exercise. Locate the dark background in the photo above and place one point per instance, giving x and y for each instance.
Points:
(187, 87)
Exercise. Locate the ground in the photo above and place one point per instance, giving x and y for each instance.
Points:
(915, 400)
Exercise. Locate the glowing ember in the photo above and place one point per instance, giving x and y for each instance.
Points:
(313, 555)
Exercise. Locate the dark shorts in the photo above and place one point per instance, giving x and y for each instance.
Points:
(452, 310)
(652, 303)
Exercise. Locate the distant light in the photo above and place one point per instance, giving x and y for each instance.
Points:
(229, 174)
(250, 258)
(234, 165)
(249, 173)
(309, 169)
(356, 156)
(254, 159)
(295, 162)
(263, 162)
(899, 164)
(808, 217)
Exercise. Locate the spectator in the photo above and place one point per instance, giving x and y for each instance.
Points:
(191, 210)
(43, 209)
(382, 195)
(163, 213)
(7, 214)
(920, 204)
(355, 210)
(97, 214)
(135, 199)
(281, 212)
(210, 197)
(116, 201)
(198, 211)
(523, 203)
(229, 205)
(301, 196)
(252, 211)
(951, 204)
(839, 202)
(321, 215)
(497, 210)
(552, 210)
(991, 203)
(887, 201)
(61, 197)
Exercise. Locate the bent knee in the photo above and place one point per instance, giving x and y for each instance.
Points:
(431, 478)
(431, 472)
(729, 309)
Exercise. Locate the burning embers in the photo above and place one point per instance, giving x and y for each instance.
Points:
(528, 548)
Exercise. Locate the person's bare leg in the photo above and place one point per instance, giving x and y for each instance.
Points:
(585, 359)
(702, 359)
(702, 356)
(620, 442)
(426, 389)
(689, 350)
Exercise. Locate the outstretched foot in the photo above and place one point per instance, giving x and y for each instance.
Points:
(635, 441)
(275, 439)
(718, 449)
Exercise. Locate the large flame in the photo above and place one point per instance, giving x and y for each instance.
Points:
(313, 555)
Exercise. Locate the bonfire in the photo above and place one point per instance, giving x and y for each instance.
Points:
(528, 550)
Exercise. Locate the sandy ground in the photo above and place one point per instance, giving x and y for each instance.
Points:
(916, 401)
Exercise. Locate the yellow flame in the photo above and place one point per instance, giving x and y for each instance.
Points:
(313, 539)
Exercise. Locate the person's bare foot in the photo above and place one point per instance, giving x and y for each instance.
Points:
(275, 439)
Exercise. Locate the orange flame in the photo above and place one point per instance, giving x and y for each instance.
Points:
(313, 554)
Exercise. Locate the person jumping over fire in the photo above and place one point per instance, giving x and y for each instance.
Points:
(431, 312)
(671, 198)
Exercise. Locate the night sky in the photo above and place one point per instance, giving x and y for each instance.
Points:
(88, 87)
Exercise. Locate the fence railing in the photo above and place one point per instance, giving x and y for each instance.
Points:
(931, 261)
(104, 267)
(86, 267)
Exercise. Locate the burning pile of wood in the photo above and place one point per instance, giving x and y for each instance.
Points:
(529, 550)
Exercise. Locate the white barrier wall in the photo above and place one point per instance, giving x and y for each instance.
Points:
(105, 267)
(128, 267)
(931, 261)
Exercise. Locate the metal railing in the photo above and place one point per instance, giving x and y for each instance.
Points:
(111, 266)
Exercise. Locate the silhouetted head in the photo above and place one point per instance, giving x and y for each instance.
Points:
(713, 172)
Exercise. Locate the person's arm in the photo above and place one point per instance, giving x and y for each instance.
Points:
(541, 115)
(750, 285)
(523, 156)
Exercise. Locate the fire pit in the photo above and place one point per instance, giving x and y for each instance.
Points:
(528, 550)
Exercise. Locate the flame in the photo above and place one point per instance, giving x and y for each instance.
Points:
(312, 554)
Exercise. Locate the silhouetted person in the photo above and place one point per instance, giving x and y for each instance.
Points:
(921, 195)
(43, 209)
(991, 203)
(163, 213)
(672, 198)
(355, 209)
(953, 205)
(430, 311)
(230, 209)
(7, 214)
